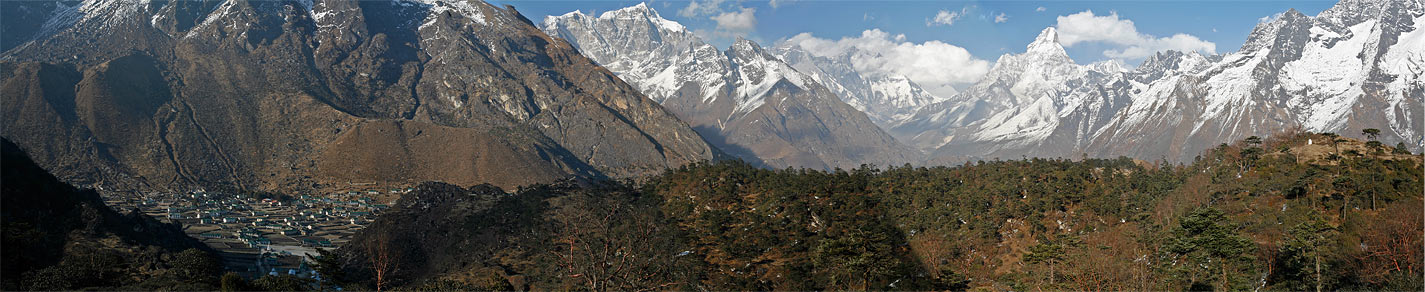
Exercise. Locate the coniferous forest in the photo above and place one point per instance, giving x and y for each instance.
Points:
(1299, 212)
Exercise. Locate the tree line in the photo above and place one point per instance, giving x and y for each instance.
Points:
(1279, 213)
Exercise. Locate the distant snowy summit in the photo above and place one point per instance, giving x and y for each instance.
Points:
(1354, 66)
(887, 98)
(746, 98)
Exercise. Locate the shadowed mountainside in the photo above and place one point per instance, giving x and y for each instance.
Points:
(58, 237)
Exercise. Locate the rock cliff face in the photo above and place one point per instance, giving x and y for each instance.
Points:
(744, 99)
(295, 94)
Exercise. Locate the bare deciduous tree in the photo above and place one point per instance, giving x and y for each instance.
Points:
(383, 262)
(611, 246)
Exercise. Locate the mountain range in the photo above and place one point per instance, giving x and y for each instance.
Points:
(313, 94)
(745, 99)
(1356, 65)
(303, 95)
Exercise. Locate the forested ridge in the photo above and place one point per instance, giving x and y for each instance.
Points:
(58, 237)
(1300, 211)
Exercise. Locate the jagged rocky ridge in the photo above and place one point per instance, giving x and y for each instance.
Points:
(745, 99)
(1354, 66)
(299, 94)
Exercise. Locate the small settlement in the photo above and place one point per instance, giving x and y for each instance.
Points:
(259, 236)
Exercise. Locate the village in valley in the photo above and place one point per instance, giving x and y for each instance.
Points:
(266, 234)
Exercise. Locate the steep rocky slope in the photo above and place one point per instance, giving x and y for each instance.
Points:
(300, 94)
(745, 99)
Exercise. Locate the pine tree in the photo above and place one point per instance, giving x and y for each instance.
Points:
(1305, 248)
(1371, 133)
(1207, 238)
(1048, 253)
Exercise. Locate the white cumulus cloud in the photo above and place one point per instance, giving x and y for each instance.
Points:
(732, 19)
(1085, 27)
(947, 18)
(743, 20)
(698, 8)
(936, 66)
(1001, 18)
(1040, 9)
(1270, 18)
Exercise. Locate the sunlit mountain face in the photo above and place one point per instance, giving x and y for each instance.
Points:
(1145, 97)
(703, 145)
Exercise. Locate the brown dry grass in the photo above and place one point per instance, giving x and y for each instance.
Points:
(1316, 148)
(394, 153)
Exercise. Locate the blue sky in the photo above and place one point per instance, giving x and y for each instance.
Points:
(1223, 23)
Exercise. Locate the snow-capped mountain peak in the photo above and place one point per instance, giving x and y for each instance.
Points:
(1354, 66)
(1044, 66)
(1348, 12)
(1046, 47)
(652, 53)
(1047, 41)
(1169, 62)
(1266, 34)
(743, 96)
(641, 12)
(745, 47)
(757, 72)
(1016, 104)
(640, 9)
(1110, 66)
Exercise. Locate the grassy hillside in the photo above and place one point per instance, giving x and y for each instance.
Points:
(1280, 214)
